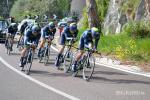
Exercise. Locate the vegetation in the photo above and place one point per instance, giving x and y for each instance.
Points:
(129, 6)
(39, 7)
(102, 6)
(125, 47)
(138, 29)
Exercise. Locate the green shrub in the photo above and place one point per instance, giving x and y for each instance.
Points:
(102, 6)
(85, 19)
(139, 29)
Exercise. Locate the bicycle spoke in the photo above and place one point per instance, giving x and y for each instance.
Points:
(88, 68)
(46, 56)
(29, 62)
(67, 61)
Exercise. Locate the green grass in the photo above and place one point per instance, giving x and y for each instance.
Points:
(144, 48)
(108, 43)
(137, 50)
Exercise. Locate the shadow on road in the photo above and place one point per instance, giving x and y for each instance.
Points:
(48, 74)
(117, 81)
(108, 73)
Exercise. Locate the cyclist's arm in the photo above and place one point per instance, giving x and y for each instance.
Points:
(89, 45)
(96, 43)
(26, 40)
(76, 34)
(38, 38)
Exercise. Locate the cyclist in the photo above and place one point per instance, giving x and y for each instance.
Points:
(70, 31)
(31, 36)
(12, 29)
(61, 26)
(48, 32)
(87, 41)
(70, 20)
(22, 28)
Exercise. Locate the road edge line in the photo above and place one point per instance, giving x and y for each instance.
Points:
(38, 82)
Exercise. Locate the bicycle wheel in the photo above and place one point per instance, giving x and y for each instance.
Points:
(88, 68)
(41, 55)
(46, 56)
(79, 67)
(29, 62)
(68, 57)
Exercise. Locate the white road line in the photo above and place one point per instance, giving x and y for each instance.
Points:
(38, 82)
(111, 66)
(121, 69)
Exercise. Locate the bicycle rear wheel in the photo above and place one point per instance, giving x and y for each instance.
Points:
(88, 68)
(67, 61)
(29, 62)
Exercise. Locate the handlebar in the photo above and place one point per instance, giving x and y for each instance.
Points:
(29, 43)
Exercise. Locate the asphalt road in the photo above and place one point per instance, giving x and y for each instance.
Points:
(107, 83)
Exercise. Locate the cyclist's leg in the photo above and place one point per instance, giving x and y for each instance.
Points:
(20, 37)
(41, 46)
(62, 43)
(12, 42)
(23, 54)
(57, 63)
(6, 41)
(79, 55)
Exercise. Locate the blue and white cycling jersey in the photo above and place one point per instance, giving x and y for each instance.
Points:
(67, 34)
(87, 38)
(29, 37)
(46, 32)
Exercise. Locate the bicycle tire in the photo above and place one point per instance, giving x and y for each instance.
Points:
(29, 62)
(68, 58)
(88, 68)
(40, 56)
(46, 56)
(79, 65)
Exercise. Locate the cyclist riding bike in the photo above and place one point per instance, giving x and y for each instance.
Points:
(87, 41)
(48, 32)
(61, 26)
(22, 28)
(31, 36)
(12, 29)
(70, 31)
(70, 20)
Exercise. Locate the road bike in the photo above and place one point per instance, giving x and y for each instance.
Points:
(28, 59)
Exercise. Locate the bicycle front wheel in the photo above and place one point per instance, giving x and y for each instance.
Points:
(46, 56)
(88, 68)
(67, 61)
(29, 62)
